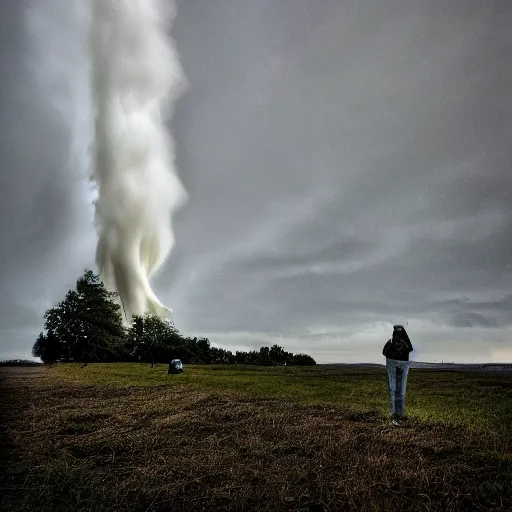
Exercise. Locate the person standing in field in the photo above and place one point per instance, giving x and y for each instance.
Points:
(397, 351)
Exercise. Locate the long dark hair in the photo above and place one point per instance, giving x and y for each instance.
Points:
(400, 335)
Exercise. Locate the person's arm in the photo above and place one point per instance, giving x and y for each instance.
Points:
(386, 348)
(405, 345)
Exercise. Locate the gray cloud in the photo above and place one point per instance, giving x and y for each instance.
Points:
(45, 215)
(347, 164)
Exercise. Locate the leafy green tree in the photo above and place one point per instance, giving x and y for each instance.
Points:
(303, 360)
(264, 358)
(279, 356)
(241, 357)
(87, 323)
(144, 336)
(253, 357)
(271, 356)
(49, 349)
(87, 326)
(154, 340)
(221, 356)
(268, 356)
(203, 350)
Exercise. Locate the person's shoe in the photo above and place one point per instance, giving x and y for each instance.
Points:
(396, 420)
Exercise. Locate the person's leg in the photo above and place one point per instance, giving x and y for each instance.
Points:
(391, 384)
(398, 391)
(404, 377)
(403, 387)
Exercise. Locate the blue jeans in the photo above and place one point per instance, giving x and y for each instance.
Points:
(397, 382)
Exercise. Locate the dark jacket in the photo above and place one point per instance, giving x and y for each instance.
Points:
(398, 347)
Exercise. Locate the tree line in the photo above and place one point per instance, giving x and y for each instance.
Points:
(87, 326)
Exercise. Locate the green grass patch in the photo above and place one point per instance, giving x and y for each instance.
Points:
(482, 401)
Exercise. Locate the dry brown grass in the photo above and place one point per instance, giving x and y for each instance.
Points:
(71, 447)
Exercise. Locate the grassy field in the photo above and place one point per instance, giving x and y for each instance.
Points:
(112, 437)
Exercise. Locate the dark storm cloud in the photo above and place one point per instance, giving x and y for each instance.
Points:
(398, 110)
(347, 164)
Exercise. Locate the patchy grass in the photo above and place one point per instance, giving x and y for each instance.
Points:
(127, 437)
(482, 401)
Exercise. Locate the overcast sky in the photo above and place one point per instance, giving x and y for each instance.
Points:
(348, 165)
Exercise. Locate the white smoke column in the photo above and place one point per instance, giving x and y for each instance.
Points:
(136, 75)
